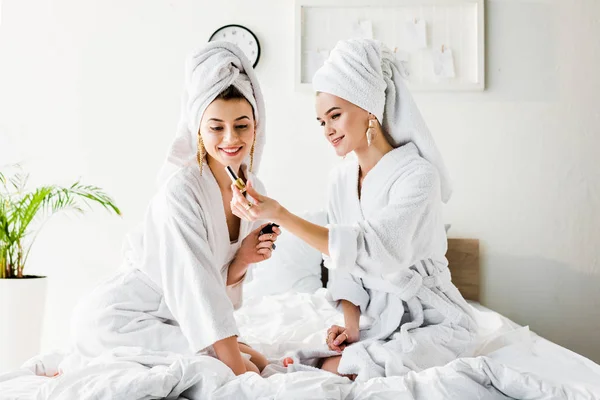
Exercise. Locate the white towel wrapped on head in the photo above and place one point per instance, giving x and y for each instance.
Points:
(209, 71)
(365, 73)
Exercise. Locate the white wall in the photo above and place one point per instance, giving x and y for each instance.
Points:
(91, 88)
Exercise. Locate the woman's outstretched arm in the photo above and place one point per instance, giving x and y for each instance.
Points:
(265, 208)
(316, 236)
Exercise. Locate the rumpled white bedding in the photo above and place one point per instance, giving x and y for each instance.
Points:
(511, 362)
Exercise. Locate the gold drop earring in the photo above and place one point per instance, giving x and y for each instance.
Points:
(200, 154)
(370, 131)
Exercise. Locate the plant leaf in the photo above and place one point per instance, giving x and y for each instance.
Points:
(19, 209)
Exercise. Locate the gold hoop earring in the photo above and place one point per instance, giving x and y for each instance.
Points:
(201, 153)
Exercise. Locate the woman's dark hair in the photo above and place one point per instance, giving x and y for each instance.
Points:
(233, 93)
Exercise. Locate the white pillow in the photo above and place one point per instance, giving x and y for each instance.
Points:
(294, 265)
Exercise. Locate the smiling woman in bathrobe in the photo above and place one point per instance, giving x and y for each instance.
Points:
(385, 243)
(183, 270)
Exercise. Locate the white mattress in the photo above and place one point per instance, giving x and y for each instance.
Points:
(515, 363)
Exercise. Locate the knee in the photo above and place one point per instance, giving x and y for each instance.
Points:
(256, 358)
(250, 366)
(260, 361)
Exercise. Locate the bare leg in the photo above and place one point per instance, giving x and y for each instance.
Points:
(257, 359)
(250, 367)
(331, 364)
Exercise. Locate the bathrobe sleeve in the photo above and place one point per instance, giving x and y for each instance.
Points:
(342, 285)
(235, 293)
(235, 290)
(190, 278)
(398, 235)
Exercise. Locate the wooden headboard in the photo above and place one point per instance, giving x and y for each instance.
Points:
(463, 261)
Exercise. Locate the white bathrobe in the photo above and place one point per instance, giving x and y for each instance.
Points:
(172, 294)
(387, 256)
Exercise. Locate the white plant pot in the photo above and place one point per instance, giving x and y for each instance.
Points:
(22, 303)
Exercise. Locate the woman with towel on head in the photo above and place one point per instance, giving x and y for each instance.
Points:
(183, 270)
(385, 243)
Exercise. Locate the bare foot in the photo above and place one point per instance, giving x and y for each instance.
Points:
(288, 361)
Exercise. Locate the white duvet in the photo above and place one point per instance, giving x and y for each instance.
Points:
(511, 362)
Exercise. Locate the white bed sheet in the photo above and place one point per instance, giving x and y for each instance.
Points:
(298, 315)
(514, 363)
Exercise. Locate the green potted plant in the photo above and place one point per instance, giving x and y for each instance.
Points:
(22, 296)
